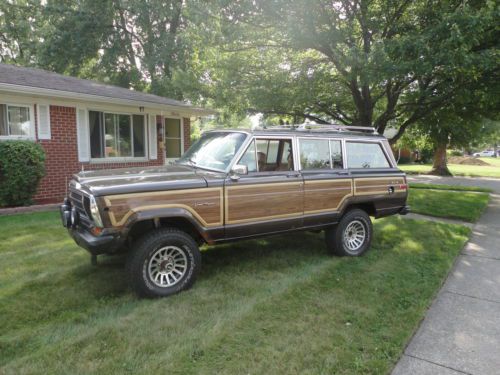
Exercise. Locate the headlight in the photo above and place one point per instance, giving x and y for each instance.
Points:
(94, 211)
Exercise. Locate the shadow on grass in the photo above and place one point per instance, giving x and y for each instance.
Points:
(83, 283)
(79, 287)
(242, 286)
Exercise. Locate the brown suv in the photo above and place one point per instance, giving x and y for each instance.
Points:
(231, 185)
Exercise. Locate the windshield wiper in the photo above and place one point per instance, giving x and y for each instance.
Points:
(195, 165)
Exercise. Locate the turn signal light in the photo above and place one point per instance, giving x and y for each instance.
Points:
(96, 231)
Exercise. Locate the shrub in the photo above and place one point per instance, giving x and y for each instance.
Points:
(426, 155)
(404, 160)
(22, 165)
(455, 153)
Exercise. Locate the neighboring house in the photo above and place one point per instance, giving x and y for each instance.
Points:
(87, 125)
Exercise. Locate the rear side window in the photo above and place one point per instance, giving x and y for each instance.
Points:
(320, 154)
(336, 151)
(365, 155)
(314, 154)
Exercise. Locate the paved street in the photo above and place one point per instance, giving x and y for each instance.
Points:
(461, 331)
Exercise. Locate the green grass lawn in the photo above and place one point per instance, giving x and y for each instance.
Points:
(460, 205)
(455, 169)
(275, 305)
(418, 185)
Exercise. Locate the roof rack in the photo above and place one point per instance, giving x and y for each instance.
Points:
(324, 127)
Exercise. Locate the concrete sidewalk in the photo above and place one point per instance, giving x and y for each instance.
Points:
(461, 331)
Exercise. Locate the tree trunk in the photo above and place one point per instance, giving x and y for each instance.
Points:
(439, 165)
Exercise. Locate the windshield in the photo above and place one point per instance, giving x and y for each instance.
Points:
(213, 150)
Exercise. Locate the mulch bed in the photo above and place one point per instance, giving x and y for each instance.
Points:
(28, 209)
(466, 160)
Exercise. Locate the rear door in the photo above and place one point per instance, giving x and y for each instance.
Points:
(270, 197)
(327, 183)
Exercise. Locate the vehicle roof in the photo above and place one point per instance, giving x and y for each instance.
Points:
(333, 131)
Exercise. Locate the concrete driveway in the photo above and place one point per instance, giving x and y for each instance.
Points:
(460, 333)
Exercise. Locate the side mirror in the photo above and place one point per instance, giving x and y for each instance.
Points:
(237, 170)
(240, 169)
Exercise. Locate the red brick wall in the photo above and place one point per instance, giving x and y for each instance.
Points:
(61, 153)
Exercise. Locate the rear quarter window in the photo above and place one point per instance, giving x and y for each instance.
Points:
(365, 155)
(320, 154)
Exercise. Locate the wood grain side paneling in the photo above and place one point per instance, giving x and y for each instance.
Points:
(325, 195)
(247, 203)
(205, 204)
(378, 185)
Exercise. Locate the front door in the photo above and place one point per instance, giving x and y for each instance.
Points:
(270, 197)
(173, 139)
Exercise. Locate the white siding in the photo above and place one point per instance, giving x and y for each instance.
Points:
(153, 143)
(43, 121)
(83, 135)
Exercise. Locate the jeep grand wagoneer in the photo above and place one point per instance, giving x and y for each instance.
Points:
(231, 185)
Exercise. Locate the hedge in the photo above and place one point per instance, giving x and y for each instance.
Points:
(22, 165)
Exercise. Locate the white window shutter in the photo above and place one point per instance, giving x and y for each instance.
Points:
(82, 133)
(153, 143)
(43, 121)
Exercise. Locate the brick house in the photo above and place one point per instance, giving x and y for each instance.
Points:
(83, 124)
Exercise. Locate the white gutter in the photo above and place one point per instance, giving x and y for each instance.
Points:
(60, 94)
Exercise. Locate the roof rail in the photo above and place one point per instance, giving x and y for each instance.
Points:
(325, 127)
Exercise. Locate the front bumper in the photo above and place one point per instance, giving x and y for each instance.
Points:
(103, 244)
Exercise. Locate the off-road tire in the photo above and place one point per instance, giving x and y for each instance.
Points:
(334, 236)
(146, 247)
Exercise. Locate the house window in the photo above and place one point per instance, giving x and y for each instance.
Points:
(115, 135)
(173, 138)
(14, 120)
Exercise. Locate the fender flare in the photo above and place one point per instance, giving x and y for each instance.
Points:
(162, 213)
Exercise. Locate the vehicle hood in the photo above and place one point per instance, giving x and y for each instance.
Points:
(132, 180)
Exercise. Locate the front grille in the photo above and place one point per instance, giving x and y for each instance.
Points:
(81, 202)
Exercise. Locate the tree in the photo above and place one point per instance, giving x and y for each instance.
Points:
(488, 137)
(131, 43)
(360, 62)
(19, 23)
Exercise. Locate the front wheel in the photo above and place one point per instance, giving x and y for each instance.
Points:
(352, 236)
(163, 262)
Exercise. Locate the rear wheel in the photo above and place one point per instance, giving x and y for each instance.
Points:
(163, 262)
(351, 236)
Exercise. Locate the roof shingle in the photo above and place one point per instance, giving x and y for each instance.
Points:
(39, 78)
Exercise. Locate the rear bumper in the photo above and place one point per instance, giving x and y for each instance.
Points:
(405, 210)
(105, 244)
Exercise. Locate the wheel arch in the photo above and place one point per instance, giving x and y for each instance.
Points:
(178, 218)
(368, 207)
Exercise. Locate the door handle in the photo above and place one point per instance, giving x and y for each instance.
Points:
(293, 175)
(391, 189)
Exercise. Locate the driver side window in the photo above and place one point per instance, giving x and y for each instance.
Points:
(248, 158)
(268, 155)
